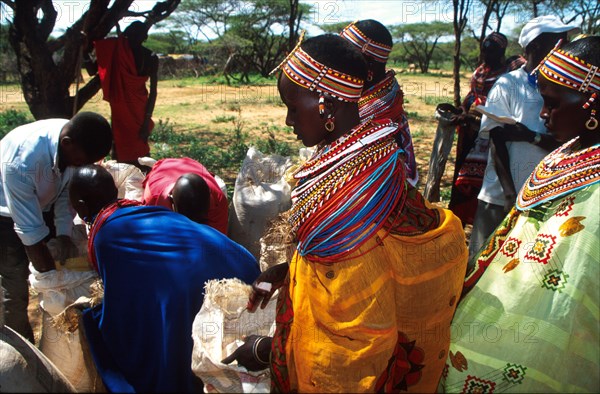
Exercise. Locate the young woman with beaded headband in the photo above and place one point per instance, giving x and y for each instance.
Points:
(372, 286)
(382, 97)
(533, 298)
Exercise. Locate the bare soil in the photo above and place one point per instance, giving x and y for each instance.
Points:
(210, 110)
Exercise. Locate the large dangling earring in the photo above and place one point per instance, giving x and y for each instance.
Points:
(330, 123)
(592, 122)
(321, 105)
(370, 75)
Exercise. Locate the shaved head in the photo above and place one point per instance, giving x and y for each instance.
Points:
(191, 197)
(91, 189)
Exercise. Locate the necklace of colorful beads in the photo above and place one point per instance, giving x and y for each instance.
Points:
(346, 193)
(562, 171)
(382, 95)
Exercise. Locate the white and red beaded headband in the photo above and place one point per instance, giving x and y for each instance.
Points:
(376, 50)
(567, 70)
(305, 71)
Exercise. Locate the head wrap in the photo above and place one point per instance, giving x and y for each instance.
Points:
(376, 50)
(305, 71)
(567, 70)
(497, 38)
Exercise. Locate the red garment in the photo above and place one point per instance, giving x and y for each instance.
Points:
(159, 183)
(126, 92)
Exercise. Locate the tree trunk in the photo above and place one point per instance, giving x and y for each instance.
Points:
(48, 67)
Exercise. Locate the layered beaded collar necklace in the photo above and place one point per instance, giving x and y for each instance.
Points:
(561, 172)
(381, 96)
(346, 192)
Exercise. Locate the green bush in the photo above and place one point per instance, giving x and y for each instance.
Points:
(12, 118)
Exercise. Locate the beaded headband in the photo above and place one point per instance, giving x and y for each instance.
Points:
(378, 51)
(567, 70)
(305, 71)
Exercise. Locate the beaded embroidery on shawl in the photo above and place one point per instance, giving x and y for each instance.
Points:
(364, 165)
(564, 170)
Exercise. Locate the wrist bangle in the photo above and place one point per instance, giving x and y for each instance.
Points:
(255, 351)
(537, 139)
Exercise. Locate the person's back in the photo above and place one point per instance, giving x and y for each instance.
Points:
(382, 97)
(160, 182)
(154, 263)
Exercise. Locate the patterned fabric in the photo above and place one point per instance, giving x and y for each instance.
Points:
(376, 50)
(385, 100)
(305, 71)
(562, 171)
(567, 70)
(498, 38)
(529, 319)
(356, 180)
(332, 336)
(482, 81)
(472, 151)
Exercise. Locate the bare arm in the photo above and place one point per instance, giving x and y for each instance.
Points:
(40, 257)
(145, 129)
(502, 162)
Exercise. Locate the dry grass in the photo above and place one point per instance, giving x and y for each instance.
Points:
(209, 110)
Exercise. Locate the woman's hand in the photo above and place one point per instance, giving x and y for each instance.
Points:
(253, 354)
(265, 285)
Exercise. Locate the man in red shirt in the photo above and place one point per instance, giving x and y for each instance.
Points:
(186, 186)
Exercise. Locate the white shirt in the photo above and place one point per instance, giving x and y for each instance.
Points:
(32, 182)
(512, 96)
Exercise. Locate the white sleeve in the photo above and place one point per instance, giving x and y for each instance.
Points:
(63, 213)
(24, 206)
(498, 104)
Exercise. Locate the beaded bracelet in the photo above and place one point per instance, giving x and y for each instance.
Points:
(255, 351)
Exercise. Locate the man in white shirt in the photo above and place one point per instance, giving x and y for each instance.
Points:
(515, 150)
(37, 161)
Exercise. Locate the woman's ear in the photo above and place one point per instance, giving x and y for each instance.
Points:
(330, 104)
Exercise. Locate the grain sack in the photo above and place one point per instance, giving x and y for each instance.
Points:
(218, 330)
(128, 179)
(57, 290)
(261, 192)
(24, 369)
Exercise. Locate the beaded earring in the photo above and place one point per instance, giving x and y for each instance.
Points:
(321, 105)
(592, 122)
(330, 123)
(370, 75)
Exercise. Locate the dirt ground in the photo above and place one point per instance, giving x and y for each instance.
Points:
(209, 110)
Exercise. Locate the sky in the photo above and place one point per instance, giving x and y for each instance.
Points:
(388, 12)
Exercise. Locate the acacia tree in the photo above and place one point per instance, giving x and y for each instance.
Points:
(419, 40)
(48, 66)
(244, 35)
